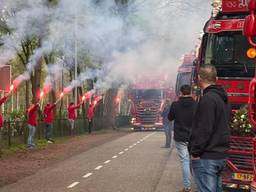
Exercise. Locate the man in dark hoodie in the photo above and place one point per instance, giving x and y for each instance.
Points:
(167, 125)
(181, 112)
(210, 133)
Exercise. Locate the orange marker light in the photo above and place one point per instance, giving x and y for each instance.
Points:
(251, 53)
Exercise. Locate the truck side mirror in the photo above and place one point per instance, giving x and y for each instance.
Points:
(252, 102)
(252, 5)
(250, 28)
(250, 23)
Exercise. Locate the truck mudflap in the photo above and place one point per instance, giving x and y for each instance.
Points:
(238, 172)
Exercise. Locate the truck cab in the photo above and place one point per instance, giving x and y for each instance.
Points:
(224, 46)
(147, 95)
(185, 72)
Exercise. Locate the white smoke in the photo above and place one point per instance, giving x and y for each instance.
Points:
(144, 36)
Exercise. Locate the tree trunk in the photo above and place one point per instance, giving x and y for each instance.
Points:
(36, 80)
(110, 107)
(27, 94)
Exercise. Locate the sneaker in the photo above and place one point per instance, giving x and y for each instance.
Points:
(30, 147)
(186, 190)
(49, 142)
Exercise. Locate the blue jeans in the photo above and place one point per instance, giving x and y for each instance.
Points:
(48, 131)
(168, 134)
(72, 126)
(208, 174)
(182, 148)
(31, 135)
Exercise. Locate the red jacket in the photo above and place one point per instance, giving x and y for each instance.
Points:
(2, 100)
(90, 113)
(48, 113)
(32, 114)
(72, 111)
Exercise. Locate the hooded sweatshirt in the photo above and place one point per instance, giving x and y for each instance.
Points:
(181, 112)
(48, 113)
(32, 115)
(210, 132)
(2, 101)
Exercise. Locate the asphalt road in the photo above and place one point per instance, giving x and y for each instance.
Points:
(133, 163)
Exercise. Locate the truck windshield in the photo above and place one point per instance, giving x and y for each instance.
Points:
(227, 51)
(148, 94)
(183, 79)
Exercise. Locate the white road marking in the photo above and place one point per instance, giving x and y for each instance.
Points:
(130, 146)
(87, 175)
(108, 161)
(138, 142)
(126, 149)
(120, 153)
(73, 185)
(99, 167)
(114, 157)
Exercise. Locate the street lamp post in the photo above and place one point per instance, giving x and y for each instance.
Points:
(76, 50)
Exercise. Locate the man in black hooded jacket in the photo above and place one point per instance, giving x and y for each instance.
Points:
(210, 133)
(181, 112)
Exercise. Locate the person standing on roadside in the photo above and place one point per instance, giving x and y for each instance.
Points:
(2, 101)
(167, 125)
(181, 112)
(210, 133)
(48, 120)
(32, 123)
(90, 117)
(72, 115)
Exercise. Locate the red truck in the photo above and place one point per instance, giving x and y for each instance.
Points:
(249, 31)
(147, 95)
(185, 72)
(224, 46)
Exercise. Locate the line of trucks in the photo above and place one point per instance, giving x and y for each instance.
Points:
(228, 43)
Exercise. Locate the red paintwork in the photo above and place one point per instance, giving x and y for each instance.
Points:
(217, 26)
(252, 102)
(234, 6)
(237, 86)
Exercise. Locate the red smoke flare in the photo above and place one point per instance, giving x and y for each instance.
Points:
(41, 95)
(61, 94)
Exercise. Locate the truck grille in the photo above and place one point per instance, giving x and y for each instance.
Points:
(148, 113)
(240, 155)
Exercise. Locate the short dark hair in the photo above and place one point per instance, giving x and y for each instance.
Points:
(71, 103)
(208, 73)
(185, 89)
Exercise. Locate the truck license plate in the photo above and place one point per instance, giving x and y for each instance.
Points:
(242, 176)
